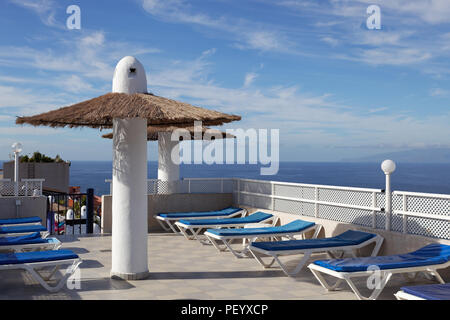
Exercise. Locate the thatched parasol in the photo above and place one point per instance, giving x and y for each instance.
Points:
(100, 112)
(129, 110)
(206, 133)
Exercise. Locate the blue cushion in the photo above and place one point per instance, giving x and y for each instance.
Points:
(253, 218)
(224, 212)
(428, 255)
(22, 229)
(294, 226)
(430, 291)
(36, 256)
(20, 220)
(27, 239)
(348, 238)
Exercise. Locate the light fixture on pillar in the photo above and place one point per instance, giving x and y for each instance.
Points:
(16, 148)
(388, 167)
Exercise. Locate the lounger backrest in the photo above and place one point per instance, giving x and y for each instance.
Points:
(433, 250)
(355, 237)
(20, 239)
(22, 229)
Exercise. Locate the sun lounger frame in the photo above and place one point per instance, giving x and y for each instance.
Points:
(258, 254)
(43, 246)
(44, 234)
(401, 295)
(385, 275)
(223, 243)
(33, 268)
(192, 232)
(168, 223)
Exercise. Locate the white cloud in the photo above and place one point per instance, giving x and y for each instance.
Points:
(239, 30)
(249, 78)
(45, 9)
(438, 92)
(304, 119)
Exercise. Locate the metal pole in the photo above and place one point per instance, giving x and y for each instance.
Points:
(16, 174)
(90, 211)
(388, 202)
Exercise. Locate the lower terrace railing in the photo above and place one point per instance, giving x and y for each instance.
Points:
(412, 213)
(25, 187)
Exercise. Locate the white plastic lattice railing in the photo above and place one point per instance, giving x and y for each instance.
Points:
(25, 188)
(422, 213)
(412, 213)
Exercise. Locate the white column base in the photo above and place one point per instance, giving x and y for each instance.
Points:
(129, 276)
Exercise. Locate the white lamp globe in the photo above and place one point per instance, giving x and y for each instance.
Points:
(83, 212)
(17, 147)
(69, 214)
(388, 166)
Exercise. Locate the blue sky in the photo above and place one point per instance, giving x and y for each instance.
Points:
(312, 69)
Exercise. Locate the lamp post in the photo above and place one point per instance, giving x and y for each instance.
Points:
(17, 148)
(388, 167)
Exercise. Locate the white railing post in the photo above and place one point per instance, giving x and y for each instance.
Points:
(26, 188)
(273, 196)
(239, 192)
(374, 213)
(316, 198)
(405, 217)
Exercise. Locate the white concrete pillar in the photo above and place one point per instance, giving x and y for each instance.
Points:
(168, 162)
(129, 194)
(129, 199)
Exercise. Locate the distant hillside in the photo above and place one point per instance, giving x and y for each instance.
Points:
(431, 155)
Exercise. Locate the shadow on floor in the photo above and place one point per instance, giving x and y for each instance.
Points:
(214, 275)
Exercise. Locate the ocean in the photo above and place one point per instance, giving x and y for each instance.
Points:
(429, 178)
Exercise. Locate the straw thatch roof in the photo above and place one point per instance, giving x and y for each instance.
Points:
(100, 112)
(207, 133)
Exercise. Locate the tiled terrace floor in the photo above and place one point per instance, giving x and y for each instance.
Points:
(180, 269)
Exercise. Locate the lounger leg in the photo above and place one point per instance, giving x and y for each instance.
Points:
(258, 258)
(165, 228)
(283, 267)
(216, 244)
(187, 235)
(377, 247)
(297, 269)
(436, 275)
(324, 283)
(42, 280)
(375, 293)
(317, 231)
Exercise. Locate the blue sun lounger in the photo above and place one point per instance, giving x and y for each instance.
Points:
(248, 235)
(166, 220)
(34, 261)
(194, 227)
(20, 221)
(425, 292)
(29, 242)
(347, 242)
(9, 231)
(428, 259)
